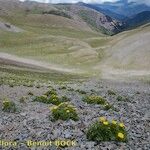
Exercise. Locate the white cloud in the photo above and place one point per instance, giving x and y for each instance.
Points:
(141, 1)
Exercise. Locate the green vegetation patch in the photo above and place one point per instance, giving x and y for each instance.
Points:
(108, 106)
(99, 42)
(9, 106)
(58, 13)
(122, 98)
(64, 111)
(81, 91)
(104, 130)
(111, 92)
(94, 100)
(98, 100)
(17, 76)
(51, 97)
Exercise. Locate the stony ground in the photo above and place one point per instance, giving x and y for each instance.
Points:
(32, 121)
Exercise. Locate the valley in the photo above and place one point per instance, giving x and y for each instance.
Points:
(77, 72)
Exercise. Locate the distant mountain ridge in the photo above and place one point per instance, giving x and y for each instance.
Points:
(103, 10)
(139, 19)
(130, 14)
(120, 9)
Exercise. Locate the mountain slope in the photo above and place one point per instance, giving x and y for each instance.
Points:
(29, 14)
(139, 19)
(120, 9)
(72, 42)
(104, 10)
(72, 15)
(96, 20)
(128, 54)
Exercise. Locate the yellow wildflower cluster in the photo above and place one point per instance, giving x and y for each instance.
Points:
(64, 111)
(121, 135)
(106, 130)
(104, 121)
(68, 111)
(121, 125)
(114, 122)
(8, 106)
(5, 102)
(53, 108)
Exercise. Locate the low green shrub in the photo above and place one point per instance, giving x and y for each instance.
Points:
(108, 106)
(98, 100)
(81, 91)
(50, 92)
(122, 98)
(104, 130)
(111, 92)
(62, 88)
(64, 111)
(94, 100)
(58, 13)
(70, 89)
(9, 106)
(51, 97)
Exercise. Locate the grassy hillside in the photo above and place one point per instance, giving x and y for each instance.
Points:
(129, 54)
(56, 40)
(70, 44)
(51, 38)
(132, 52)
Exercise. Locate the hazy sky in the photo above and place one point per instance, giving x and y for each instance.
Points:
(74, 1)
(90, 1)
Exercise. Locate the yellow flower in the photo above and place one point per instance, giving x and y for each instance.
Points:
(120, 135)
(5, 101)
(67, 111)
(114, 122)
(102, 119)
(105, 123)
(121, 125)
(53, 108)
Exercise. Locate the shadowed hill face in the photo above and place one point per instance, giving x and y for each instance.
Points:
(96, 20)
(139, 19)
